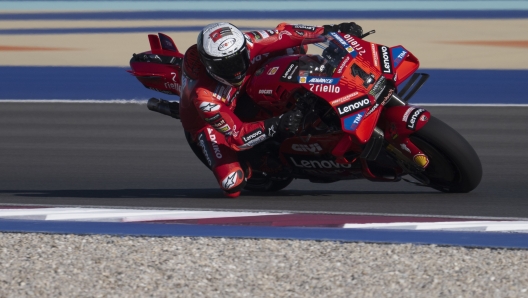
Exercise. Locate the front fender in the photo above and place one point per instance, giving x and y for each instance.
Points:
(402, 121)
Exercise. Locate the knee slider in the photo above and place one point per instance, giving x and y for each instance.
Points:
(234, 182)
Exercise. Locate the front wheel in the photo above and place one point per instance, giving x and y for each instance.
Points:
(453, 164)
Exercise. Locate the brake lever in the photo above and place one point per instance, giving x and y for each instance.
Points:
(368, 33)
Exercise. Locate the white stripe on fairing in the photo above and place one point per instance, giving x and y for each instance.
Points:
(488, 226)
(124, 215)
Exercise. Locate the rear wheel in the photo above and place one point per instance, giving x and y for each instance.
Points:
(265, 183)
(453, 164)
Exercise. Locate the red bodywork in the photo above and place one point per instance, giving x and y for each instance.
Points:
(160, 68)
(357, 105)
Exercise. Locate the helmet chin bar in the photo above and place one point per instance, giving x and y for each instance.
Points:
(223, 81)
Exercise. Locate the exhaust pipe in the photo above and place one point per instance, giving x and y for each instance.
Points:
(164, 107)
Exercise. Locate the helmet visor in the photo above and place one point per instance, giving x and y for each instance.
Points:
(232, 68)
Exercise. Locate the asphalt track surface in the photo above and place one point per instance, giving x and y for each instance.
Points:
(124, 155)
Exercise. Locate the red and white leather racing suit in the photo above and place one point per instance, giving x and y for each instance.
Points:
(207, 106)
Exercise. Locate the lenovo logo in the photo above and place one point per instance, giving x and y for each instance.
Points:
(352, 106)
(386, 64)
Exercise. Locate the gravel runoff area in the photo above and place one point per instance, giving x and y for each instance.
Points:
(42, 265)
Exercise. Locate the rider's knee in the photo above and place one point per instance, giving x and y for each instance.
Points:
(233, 183)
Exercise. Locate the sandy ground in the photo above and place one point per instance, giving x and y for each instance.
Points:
(452, 44)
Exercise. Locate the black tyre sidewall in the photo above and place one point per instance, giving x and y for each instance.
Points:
(455, 148)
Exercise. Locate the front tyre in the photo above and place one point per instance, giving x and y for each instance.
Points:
(453, 164)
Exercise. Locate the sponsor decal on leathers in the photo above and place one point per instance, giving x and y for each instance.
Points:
(264, 34)
(214, 143)
(304, 27)
(252, 135)
(217, 124)
(385, 59)
(314, 148)
(256, 35)
(211, 119)
(231, 180)
(352, 106)
(253, 138)
(413, 118)
(224, 129)
(205, 150)
(248, 39)
(282, 33)
(209, 107)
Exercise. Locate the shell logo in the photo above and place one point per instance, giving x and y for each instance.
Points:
(302, 80)
(421, 160)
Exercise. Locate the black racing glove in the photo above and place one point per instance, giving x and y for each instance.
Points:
(284, 126)
(289, 123)
(351, 28)
(347, 28)
(330, 28)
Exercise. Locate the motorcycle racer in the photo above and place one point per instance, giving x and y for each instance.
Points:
(216, 70)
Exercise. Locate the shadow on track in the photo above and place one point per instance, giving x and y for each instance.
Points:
(206, 193)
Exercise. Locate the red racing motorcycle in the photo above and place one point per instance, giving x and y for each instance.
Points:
(357, 121)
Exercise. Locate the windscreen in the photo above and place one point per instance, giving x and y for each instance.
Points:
(325, 55)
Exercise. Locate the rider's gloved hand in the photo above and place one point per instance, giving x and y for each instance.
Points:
(351, 28)
(289, 123)
(347, 28)
(330, 28)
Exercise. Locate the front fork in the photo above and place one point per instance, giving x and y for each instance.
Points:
(399, 121)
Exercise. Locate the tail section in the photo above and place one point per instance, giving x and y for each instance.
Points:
(159, 69)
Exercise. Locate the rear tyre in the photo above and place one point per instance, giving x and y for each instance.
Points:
(261, 183)
(454, 166)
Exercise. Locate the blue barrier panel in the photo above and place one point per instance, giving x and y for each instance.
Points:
(470, 239)
(104, 83)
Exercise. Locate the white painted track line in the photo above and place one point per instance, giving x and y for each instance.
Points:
(489, 226)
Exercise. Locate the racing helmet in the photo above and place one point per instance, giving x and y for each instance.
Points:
(223, 51)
